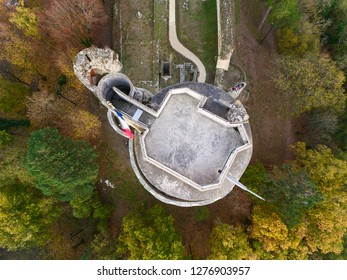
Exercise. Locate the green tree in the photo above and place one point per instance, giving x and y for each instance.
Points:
(326, 221)
(25, 217)
(92, 206)
(230, 243)
(256, 177)
(321, 127)
(6, 124)
(335, 34)
(150, 235)
(312, 82)
(292, 192)
(11, 169)
(285, 12)
(327, 171)
(298, 42)
(61, 167)
(12, 98)
(5, 138)
(271, 238)
(26, 20)
(104, 246)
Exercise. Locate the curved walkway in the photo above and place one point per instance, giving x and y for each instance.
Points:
(177, 46)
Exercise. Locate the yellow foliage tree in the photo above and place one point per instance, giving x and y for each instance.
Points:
(311, 82)
(26, 20)
(271, 237)
(327, 221)
(230, 243)
(324, 168)
(327, 225)
(292, 42)
(64, 62)
(86, 126)
(19, 53)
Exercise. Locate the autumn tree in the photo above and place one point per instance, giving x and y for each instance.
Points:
(313, 82)
(42, 110)
(11, 168)
(340, 135)
(12, 98)
(86, 125)
(45, 109)
(327, 221)
(284, 12)
(272, 239)
(74, 20)
(26, 48)
(150, 235)
(64, 61)
(5, 138)
(25, 217)
(321, 127)
(26, 20)
(104, 246)
(327, 225)
(85, 207)
(329, 172)
(298, 42)
(293, 193)
(230, 243)
(61, 167)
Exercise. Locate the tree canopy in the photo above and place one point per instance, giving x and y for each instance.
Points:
(272, 239)
(230, 243)
(312, 82)
(60, 166)
(284, 12)
(293, 193)
(5, 138)
(150, 235)
(12, 98)
(329, 172)
(25, 217)
(11, 168)
(26, 20)
(74, 20)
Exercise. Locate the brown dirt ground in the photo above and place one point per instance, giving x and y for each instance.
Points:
(272, 131)
(271, 135)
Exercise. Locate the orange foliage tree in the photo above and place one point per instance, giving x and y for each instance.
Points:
(74, 20)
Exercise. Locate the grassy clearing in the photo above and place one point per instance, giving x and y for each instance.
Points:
(160, 17)
(209, 31)
(197, 30)
(237, 9)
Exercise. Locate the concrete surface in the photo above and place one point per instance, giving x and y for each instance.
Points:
(184, 140)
